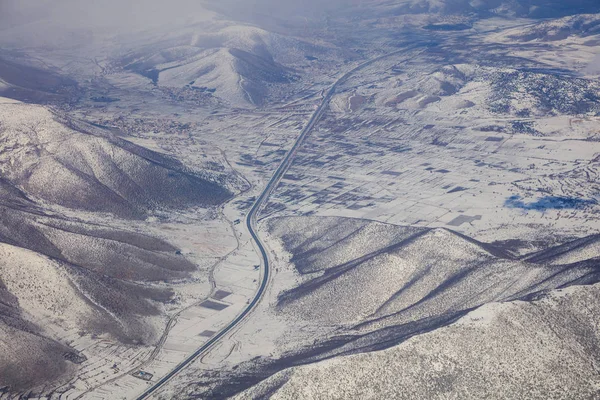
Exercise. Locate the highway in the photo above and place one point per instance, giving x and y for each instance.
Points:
(251, 223)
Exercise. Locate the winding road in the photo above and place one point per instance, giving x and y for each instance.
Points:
(251, 225)
(251, 219)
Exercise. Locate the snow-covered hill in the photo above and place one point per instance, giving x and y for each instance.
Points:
(405, 274)
(545, 349)
(60, 275)
(46, 297)
(242, 65)
(512, 8)
(94, 171)
(469, 126)
(358, 287)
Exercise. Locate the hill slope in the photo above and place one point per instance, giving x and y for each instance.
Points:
(359, 286)
(381, 275)
(94, 171)
(61, 276)
(241, 65)
(546, 349)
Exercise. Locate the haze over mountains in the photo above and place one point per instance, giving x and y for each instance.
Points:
(240, 64)
(426, 302)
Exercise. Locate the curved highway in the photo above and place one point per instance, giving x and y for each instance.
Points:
(251, 223)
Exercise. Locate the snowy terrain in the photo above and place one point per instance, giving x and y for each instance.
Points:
(64, 272)
(354, 286)
(543, 349)
(435, 236)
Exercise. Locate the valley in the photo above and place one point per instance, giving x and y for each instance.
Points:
(368, 200)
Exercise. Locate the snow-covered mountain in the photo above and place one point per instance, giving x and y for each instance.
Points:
(582, 25)
(94, 170)
(542, 349)
(365, 287)
(59, 274)
(513, 8)
(136, 135)
(242, 65)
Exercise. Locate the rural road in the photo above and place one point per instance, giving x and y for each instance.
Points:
(251, 219)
